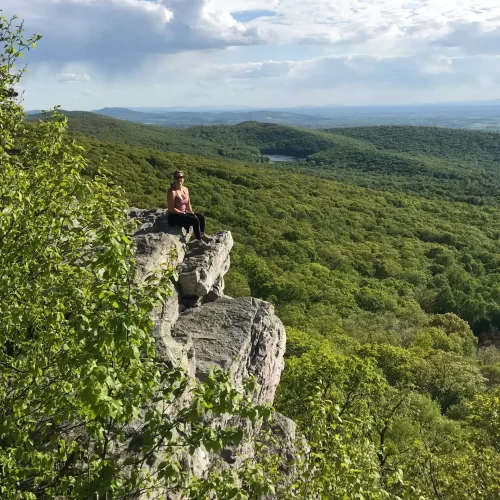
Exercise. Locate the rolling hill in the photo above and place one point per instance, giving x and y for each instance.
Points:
(183, 119)
(468, 115)
(378, 287)
(430, 162)
(161, 138)
(381, 252)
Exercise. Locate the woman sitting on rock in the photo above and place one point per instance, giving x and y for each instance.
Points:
(180, 212)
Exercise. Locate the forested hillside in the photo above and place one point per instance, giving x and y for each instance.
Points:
(462, 145)
(433, 163)
(393, 251)
(161, 138)
(379, 248)
(385, 294)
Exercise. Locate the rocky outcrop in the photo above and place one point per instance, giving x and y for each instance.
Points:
(200, 328)
(240, 335)
(203, 272)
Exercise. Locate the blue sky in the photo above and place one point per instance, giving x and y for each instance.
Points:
(98, 53)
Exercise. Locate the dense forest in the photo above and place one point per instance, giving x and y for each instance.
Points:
(161, 138)
(403, 249)
(380, 251)
(435, 163)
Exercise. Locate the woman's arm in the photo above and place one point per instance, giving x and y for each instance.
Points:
(171, 203)
(189, 207)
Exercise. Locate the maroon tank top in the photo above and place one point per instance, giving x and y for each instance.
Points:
(181, 202)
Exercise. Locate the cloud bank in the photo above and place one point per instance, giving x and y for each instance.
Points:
(103, 32)
(99, 30)
(414, 47)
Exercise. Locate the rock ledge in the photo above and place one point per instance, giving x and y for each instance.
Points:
(199, 327)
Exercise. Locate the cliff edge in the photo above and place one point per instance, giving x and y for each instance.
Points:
(199, 327)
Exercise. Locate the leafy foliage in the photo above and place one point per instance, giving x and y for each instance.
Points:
(163, 139)
(326, 252)
(78, 371)
(385, 285)
(384, 276)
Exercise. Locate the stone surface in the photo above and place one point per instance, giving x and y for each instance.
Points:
(204, 267)
(199, 328)
(158, 244)
(216, 291)
(241, 335)
(156, 248)
(284, 431)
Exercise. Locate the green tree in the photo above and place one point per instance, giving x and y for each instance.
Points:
(470, 470)
(77, 361)
(449, 378)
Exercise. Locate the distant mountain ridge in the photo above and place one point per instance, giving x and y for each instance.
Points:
(191, 118)
(459, 165)
(313, 107)
(475, 116)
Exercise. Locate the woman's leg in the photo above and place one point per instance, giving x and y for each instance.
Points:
(186, 221)
(196, 226)
(178, 220)
(201, 218)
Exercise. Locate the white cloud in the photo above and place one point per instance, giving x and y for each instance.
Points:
(348, 21)
(360, 79)
(368, 48)
(119, 33)
(472, 38)
(73, 77)
(264, 69)
(89, 93)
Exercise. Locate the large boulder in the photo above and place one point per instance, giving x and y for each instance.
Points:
(241, 335)
(198, 328)
(157, 242)
(203, 270)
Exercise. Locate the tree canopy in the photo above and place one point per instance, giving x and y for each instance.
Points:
(379, 250)
(78, 368)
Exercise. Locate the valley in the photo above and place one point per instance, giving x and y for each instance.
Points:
(379, 250)
(434, 163)
(473, 115)
(331, 333)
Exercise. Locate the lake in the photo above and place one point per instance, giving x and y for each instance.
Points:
(280, 158)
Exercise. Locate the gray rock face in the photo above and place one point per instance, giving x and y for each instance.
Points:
(157, 243)
(284, 430)
(179, 351)
(216, 292)
(202, 272)
(240, 335)
(199, 328)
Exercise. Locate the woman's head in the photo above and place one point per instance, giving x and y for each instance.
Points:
(178, 177)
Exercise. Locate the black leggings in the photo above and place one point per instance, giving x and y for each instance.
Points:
(196, 221)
